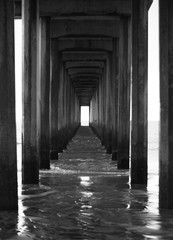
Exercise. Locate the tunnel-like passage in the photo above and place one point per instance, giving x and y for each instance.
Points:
(82, 54)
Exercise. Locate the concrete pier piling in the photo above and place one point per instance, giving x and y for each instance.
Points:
(124, 97)
(55, 71)
(166, 105)
(8, 163)
(139, 91)
(45, 93)
(30, 161)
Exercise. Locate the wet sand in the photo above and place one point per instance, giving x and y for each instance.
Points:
(84, 196)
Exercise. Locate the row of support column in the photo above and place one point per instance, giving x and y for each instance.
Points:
(120, 148)
(112, 123)
(65, 109)
(139, 98)
(101, 107)
(39, 80)
(117, 82)
(34, 108)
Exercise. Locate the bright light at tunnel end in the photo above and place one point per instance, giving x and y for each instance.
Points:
(84, 115)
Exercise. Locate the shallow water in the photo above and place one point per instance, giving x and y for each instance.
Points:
(84, 196)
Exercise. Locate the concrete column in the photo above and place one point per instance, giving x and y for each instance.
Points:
(68, 101)
(54, 88)
(65, 114)
(45, 90)
(30, 47)
(8, 162)
(139, 91)
(124, 98)
(166, 105)
(104, 106)
(61, 109)
(108, 129)
(101, 109)
(77, 113)
(115, 80)
(91, 111)
(99, 105)
(73, 106)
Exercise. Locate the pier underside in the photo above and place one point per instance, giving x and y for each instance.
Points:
(85, 53)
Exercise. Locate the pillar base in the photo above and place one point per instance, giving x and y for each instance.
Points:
(123, 163)
(44, 160)
(114, 156)
(60, 149)
(54, 155)
(109, 150)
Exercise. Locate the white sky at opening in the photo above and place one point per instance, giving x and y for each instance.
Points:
(153, 63)
(153, 68)
(84, 116)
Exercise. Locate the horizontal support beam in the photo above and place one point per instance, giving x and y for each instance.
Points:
(84, 55)
(87, 43)
(86, 70)
(84, 25)
(75, 7)
(71, 64)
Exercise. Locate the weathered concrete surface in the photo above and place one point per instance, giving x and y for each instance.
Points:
(8, 164)
(139, 91)
(166, 104)
(30, 90)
